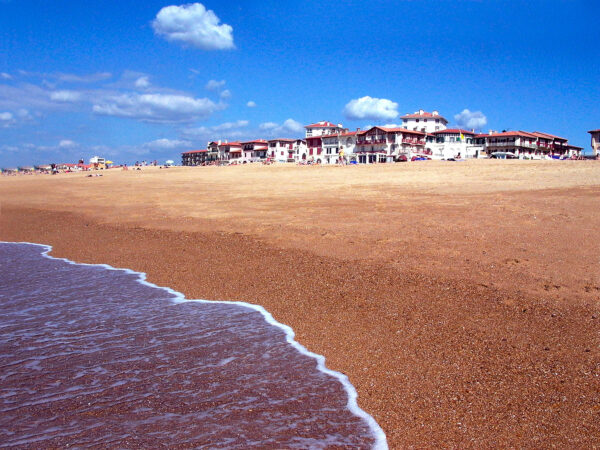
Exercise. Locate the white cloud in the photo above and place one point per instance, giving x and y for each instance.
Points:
(227, 129)
(289, 126)
(167, 144)
(193, 25)
(371, 108)
(142, 82)
(67, 143)
(214, 85)
(5, 76)
(268, 125)
(65, 96)
(6, 116)
(157, 107)
(91, 78)
(251, 104)
(225, 94)
(471, 119)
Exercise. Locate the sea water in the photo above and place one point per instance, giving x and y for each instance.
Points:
(96, 356)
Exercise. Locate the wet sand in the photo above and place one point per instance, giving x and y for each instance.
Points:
(461, 299)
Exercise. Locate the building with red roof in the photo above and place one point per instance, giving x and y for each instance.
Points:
(194, 157)
(323, 127)
(526, 145)
(427, 122)
(389, 144)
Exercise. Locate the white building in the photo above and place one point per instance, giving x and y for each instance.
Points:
(254, 150)
(382, 144)
(595, 142)
(323, 127)
(300, 150)
(282, 150)
(525, 145)
(453, 143)
(424, 121)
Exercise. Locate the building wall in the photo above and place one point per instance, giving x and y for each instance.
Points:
(428, 127)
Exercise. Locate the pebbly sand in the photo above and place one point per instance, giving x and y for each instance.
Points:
(461, 299)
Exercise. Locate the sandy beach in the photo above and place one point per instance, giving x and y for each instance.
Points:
(462, 299)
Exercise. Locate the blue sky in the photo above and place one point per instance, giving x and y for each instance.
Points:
(134, 80)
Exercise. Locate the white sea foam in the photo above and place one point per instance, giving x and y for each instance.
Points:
(178, 297)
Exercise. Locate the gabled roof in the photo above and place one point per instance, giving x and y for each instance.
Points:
(231, 144)
(392, 130)
(454, 131)
(255, 141)
(509, 134)
(194, 151)
(547, 136)
(321, 124)
(425, 115)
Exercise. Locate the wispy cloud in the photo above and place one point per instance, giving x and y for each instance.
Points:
(289, 127)
(89, 78)
(214, 85)
(65, 96)
(251, 104)
(193, 25)
(168, 144)
(166, 108)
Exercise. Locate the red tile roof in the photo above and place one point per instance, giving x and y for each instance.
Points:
(231, 144)
(282, 140)
(194, 151)
(426, 115)
(454, 131)
(321, 125)
(256, 141)
(509, 134)
(547, 136)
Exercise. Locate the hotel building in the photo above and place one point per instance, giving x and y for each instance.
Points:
(381, 144)
(424, 121)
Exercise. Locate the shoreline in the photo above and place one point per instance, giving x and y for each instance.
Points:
(178, 297)
(417, 382)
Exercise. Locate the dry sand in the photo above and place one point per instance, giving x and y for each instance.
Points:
(462, 299)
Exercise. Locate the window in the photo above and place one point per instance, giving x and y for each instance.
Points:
(417, 120)
(437, 120)
(437, 128)
(425, 120)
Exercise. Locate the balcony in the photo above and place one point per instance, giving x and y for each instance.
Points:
(372, 142)
(413, 141)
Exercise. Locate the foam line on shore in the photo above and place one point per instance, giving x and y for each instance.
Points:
(352, 404)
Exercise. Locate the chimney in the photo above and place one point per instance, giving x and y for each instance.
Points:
(421, 112)
(219, 142)
(434, 113)
(340, 125)
(357, 130)
(473, 130)
(491, 132)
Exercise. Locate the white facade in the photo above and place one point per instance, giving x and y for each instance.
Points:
(424, 121)
(453, 143)
(281, 150)
(300, 150)
(595, 142)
